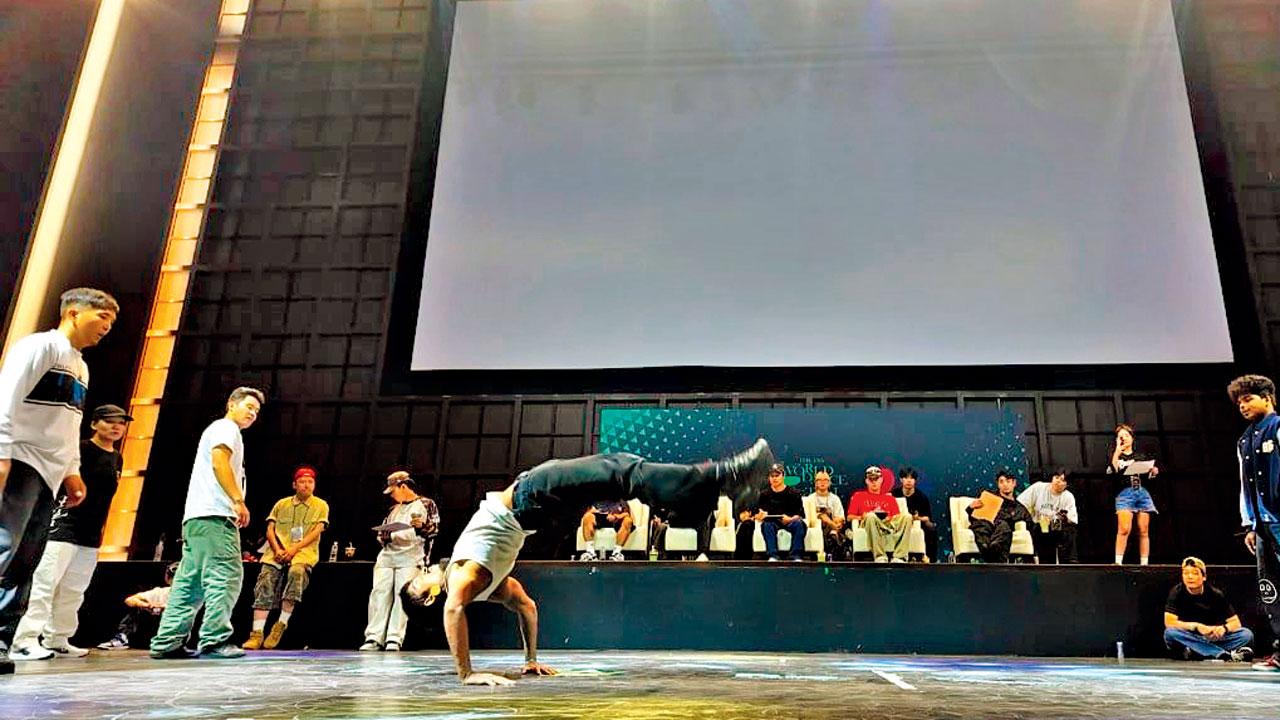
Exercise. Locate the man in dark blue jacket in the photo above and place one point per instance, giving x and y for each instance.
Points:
(1259, 454)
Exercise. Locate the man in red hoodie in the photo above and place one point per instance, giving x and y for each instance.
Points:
(886, 525)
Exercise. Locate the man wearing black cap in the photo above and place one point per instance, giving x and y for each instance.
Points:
(780, 508)
(65, 569)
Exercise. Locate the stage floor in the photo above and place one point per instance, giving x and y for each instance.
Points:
(622, 685)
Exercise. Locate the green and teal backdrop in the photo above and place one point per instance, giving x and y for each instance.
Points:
(955, 452)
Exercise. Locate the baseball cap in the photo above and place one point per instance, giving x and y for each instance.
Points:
(304, 470)
(777, 469)
(103, 412)
(873, 471)
(396, 479)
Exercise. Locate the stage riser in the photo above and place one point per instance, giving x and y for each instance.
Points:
(946, 609)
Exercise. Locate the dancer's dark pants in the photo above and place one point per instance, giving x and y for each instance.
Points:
(560, 490)
(1268, 558)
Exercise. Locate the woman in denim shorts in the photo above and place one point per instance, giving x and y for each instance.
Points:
(1133, 499)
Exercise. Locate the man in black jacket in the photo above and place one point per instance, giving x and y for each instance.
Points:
(994, 538)
(780, 508)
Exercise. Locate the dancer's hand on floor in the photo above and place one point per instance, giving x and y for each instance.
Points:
(487, 679)
(533, 667)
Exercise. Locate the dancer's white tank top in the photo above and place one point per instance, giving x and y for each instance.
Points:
(492, 538)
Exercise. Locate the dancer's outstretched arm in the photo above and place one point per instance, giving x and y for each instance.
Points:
(514, 598)
(465, 582)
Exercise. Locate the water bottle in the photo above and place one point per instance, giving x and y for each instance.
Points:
(653, 553)
(1120, 650)
(159, 549)
(333, 552)
(822, 555)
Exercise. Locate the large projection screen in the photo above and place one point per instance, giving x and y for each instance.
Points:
(780, 183)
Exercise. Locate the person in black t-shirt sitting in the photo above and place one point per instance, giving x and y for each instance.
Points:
(919, 509)
(71, 555)
(1199, 622)
(780, 508)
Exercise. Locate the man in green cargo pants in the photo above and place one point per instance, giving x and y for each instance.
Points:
(211, 571)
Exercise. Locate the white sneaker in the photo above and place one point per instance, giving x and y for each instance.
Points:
(119, 642)
(392, 646)
(702, 557)
(588, 556)
(773, 559)
(66, 650)
(30, 652)
(900, 560)
(369, 646)
(616, 555)
(882, 559)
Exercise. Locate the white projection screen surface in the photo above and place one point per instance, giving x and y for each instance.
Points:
(778, 183)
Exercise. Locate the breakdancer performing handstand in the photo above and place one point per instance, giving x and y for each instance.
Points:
(485, 553)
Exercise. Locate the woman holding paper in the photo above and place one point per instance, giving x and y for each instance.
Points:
(1133, 499)
(404, 535)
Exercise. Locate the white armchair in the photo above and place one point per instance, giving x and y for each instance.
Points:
(607, 538)
(963, 544)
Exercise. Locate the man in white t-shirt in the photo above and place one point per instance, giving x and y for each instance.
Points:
(560, 490)
(1053, 508)
(211, 571)
(831, 516)
(43, 384)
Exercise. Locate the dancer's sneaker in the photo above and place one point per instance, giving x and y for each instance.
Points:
(1270, 663)
(27, 653)
(225, 651)
(66, 650)
(392, 646)
(616, 555)
(177, 653)
(745, 475)
(588, 556)
(369, 646)
(119, 642)
(1244, 654)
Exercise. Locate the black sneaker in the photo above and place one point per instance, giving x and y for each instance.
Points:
(745, 475)
(225, 651)
(1244, 654)
(178, 653)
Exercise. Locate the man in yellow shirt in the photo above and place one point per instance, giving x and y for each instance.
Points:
(293, 534)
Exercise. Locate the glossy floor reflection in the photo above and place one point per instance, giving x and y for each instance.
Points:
(622, 685)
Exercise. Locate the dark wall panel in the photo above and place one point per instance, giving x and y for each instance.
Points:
(41, 42)
(321, 206)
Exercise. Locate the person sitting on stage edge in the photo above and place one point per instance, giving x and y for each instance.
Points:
(886, 525)
(1054, 509)
(780, 508)
(1199, 622)
(293, 538)
(918, 508)
(614, 514)
(995, 538)
(557, 490)
(139, 625)
(830, 516)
